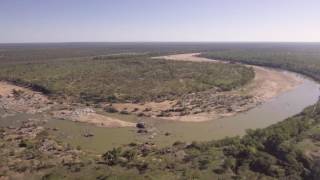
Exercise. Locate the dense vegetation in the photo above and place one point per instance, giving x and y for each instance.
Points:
(125, 77)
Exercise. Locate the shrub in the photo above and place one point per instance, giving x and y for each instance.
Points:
(112, 157)
(110, 109)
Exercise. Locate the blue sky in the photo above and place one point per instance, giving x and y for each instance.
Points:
(159, 20)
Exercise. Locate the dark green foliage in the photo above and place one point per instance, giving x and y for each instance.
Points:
(26, 144)
(204, 163)
(263, 163)
(129, 154)
(110, 109)
(229, 163)
(17, 93)
(315, 171)
(112, 157)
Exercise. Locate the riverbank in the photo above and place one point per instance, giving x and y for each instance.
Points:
(211, 104)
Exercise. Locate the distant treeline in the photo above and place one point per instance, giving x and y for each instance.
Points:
(44, 52)
(303, 61)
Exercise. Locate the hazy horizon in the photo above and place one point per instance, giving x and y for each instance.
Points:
(168, 42)
(31, 21)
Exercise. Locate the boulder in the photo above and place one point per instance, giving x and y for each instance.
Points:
(87, 134)
(141, 125)
(142, 131)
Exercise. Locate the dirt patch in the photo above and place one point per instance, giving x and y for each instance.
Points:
(104, 121)
(15, 99)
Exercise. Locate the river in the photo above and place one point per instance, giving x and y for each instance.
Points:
(274, 110)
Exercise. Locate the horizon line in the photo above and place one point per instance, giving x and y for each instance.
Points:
(70, 42)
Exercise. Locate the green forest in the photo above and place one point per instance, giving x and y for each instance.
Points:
(124, 78)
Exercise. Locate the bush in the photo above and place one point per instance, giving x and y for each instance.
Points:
(110, 109)
(229, 163)
(112, 157)
(130, 154)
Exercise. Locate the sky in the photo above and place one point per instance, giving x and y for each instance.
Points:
(159, 20)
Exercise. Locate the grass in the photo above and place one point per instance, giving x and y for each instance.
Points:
(126, 78)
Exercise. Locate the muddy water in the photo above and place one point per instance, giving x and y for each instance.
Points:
(273, 111)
